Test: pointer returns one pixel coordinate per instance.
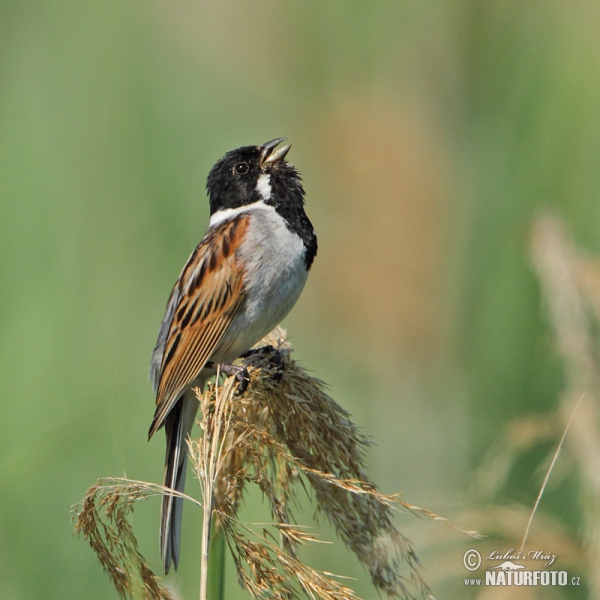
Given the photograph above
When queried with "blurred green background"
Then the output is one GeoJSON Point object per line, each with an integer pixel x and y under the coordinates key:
{"type": "Point", "coordinates": [429, 134]}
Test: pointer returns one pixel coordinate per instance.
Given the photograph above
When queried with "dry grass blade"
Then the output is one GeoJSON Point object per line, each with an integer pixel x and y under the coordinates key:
{"type": "Point", "coordinates": [548, 473]}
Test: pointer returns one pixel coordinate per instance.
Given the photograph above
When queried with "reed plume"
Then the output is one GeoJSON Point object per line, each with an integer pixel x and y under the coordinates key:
{"type": "Point", "coordinates": [286, 435]}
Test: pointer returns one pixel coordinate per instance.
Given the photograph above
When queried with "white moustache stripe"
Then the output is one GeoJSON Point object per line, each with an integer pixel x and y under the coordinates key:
{"type": "Point", "coordinates": [263, 186]}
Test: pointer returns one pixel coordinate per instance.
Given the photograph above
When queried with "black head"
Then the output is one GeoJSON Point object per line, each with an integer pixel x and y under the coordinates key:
{"type": "Point", "coordinates": [236, 179]}
{"type": "Point", "coordinates": [260, 173]}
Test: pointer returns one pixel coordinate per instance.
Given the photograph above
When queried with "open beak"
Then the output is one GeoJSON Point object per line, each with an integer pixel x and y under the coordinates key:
{"type": "Point", "coordinates": [268, 156]}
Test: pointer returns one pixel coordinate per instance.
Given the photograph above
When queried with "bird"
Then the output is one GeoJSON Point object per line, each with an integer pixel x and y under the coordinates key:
{"type": "Point", "coordinates": [242, 279]}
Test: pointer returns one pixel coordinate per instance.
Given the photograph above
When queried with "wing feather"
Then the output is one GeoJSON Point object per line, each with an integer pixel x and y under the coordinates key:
{"type": "Point", "coordinates": [202, 305]}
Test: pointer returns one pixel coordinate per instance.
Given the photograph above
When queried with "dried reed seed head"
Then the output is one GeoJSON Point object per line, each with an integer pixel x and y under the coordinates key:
{"type": "Point", "coordinates": [284, 434]}
{"type": "Point", "coordinates": [102, 519]}
{"type": "Point", "coordinates": [283, 431]}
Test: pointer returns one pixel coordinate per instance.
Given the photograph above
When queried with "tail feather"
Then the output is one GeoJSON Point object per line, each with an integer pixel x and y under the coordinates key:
{"type": "Point", "coordinates": [178, 425]}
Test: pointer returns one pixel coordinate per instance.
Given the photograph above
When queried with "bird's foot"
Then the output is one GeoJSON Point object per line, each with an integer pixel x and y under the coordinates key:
{"type": "Point", "coordinates": [275, 358]}
{"type": "Point", "coordinates": [241, 374]}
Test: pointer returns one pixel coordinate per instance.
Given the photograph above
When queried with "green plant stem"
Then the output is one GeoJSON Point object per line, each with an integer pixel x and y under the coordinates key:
{"type": "Point", "coordinates": [216, 564]}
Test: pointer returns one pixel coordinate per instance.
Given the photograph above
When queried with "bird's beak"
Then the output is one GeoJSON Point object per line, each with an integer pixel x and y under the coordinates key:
{"type": "Point", "coordinates": [268, 156]}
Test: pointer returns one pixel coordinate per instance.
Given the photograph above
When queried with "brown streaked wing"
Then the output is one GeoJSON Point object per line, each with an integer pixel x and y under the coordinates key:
{"type": "Point", "coordinates": [212, 292]}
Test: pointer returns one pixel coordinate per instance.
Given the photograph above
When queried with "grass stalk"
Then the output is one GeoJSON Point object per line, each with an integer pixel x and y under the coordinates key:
{"type": "Point", "coordinates": [216, 564]}
{"type": "Point", "coordinates": [211, 445]}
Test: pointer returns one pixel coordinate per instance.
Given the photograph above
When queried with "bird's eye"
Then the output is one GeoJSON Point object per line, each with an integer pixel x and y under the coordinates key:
{"type": "Point", "coordinates": [241, 168]}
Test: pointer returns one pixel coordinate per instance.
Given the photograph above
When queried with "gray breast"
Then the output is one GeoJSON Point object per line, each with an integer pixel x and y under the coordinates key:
{"type": "Point", "coordinates": [275, 276]}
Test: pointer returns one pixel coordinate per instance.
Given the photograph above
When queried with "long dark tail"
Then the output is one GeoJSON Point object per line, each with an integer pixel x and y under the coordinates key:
{"type": "Point", "coordinates": [178, 425]}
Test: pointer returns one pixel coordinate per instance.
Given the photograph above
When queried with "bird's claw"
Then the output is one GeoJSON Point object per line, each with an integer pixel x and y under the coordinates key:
{"type": "Point", "coordinates": [276, 359]}
{"type": "Point", "coordinates": [241, 374]}
{"type": "Point", "coordinates": [243, 379]}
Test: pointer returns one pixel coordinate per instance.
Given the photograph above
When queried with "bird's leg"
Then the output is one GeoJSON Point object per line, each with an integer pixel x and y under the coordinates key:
{"type": "Point", "coordinates": [241, 374]}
